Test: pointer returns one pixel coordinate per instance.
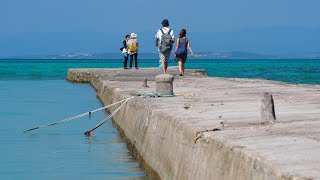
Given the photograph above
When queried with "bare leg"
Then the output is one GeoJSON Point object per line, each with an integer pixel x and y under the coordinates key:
{"type": "Point", "coordinates": [180, 67]}
{"type": "Point", "coordinates": [164, 67]}
{"type": "Point", "coordinates": [166, 63]}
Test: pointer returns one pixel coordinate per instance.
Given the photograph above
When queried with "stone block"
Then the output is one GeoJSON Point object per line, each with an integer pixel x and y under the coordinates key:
{"type": "Point", "coordinates": [164, 84]}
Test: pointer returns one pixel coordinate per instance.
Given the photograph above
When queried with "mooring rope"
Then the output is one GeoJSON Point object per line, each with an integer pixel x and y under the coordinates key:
{"type": "Point", "coordinates": [154, 95]}
{"type": "Point", "coordinates": [157, 95]}
{"type": "Point", "coordinates": [76, 116]}
{"type": "Point", "coordinates": [108, 117]}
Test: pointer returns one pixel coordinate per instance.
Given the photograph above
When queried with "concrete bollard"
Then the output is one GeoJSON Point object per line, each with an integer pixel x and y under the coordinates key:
{"type": "Point", "coordinates": [145, 83]}
{"type": "Point", "coordinates": [267, 109]}
{"type": "Point", "coordinates": [164, 84]}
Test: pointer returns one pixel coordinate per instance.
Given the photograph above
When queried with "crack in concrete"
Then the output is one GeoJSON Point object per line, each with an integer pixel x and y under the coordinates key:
{"type": "Point", "coordinates": [200, 133]}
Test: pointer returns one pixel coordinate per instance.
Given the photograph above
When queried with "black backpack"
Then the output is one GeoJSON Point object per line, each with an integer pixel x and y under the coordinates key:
{"type": "Point", "coordinates": [166, 42]}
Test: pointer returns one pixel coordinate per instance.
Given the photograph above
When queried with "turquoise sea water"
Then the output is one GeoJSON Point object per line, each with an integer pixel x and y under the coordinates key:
{"type": "Point", "coordinates": [60, 151]}
{"type": "Point", "coordinates": [35, 92]}
{"type": "Point", "coordinates": [294, 71]}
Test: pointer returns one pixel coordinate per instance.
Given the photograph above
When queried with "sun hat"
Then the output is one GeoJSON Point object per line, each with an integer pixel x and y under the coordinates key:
{"type": "Point", "coordinates": [165, 23]}
{"type": "Point", "coordinates": [133, 35]}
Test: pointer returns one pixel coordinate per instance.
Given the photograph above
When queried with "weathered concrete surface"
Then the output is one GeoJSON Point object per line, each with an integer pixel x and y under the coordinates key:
{"type": "Point", "coordinates": [211, 129]}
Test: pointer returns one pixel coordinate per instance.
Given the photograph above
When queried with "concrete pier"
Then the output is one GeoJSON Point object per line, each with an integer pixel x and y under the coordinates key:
{"type": "Point", "coordinates": [211, 129]}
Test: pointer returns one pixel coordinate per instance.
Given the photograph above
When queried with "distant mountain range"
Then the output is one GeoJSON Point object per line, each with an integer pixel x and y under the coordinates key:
{"type": "Point", "coordinates": [202, 55]}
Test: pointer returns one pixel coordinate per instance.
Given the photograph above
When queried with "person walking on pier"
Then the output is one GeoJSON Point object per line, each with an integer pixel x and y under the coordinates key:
{"type": "Point", "coordinates": [181, 52]}
{"type": "Point", "coordinates": [164, 42]}
{"type": "Point", "coordinates": [133, 46]}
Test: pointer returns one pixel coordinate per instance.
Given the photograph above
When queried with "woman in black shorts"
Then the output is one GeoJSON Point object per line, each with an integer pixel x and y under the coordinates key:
{"type": "Point", "coordinates": [181, 52]}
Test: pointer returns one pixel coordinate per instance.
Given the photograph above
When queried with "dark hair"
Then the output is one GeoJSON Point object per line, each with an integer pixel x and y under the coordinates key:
{"type": "Point", "coordinates": [165, 23]}
{"type": "Point", "coordinates": [127, 36]}
{"type": "Point", "coordinates": [182, 33]}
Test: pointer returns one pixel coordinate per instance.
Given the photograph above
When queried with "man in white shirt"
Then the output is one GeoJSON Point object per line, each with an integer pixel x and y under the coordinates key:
{"type": "Point", "coordinates": [164, 56]}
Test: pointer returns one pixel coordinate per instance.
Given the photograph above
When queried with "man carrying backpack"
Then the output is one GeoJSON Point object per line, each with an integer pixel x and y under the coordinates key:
{"type": "Point", "coordinates": [164, 41]}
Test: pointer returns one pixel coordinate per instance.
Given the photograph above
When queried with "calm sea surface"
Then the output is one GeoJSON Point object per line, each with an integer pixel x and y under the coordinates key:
{"type": "Point", "coordinates": [34, 92]}
{"type": "Point", "coordinates": [294, 71]}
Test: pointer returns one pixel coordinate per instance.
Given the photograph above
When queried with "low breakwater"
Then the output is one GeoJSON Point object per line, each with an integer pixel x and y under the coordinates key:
{"type": "Point", "coordinates": [211, 129]}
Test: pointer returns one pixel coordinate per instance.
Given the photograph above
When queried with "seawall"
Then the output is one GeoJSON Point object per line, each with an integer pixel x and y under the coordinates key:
{"type": "Point", "coordinates": [211, 129]}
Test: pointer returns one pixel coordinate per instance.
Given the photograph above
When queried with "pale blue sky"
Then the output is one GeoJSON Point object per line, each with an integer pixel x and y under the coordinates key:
{"type": "Point", "coordinates": [29, 27]}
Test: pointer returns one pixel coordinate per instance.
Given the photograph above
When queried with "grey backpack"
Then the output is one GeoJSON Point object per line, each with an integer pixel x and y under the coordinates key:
{"type": "Point", "coordinates": [166, 42]}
